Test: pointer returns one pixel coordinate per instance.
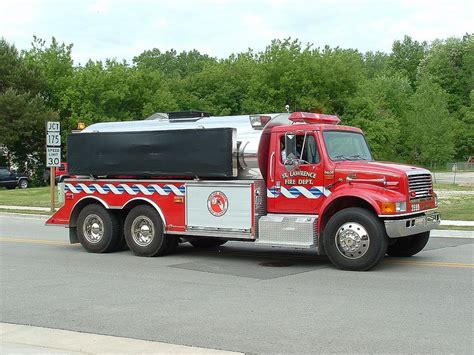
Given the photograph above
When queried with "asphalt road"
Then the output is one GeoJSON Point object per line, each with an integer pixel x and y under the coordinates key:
{"type": "Point", "coordinates": [228, 299]}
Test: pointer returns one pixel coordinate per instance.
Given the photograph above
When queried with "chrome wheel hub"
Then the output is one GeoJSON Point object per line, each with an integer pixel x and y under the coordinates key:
{"type": "Point", "coordinates": [93, 228]}
{"type": "Point", "coordinates": [352, 240]}
{"type": "Point", "coordinates": [143, 231]}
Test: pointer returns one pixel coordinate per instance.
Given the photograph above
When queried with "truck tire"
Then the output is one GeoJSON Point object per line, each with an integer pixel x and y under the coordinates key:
{"type": "Point", "coordinates": [23, 184]}
{"type": "Point", "coordinates": [98, 230]}
{"type": "Point", "coordinates": [355, 239]}
{"type": "Point", "coordinates": [409, 246]}
{"type": "Point", "coordinates": [144, 232]}
{"type": "Point", "coordinates": [203, 242]}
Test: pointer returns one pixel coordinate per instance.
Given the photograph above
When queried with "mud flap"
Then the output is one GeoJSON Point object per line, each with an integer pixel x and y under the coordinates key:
{"type": "Point", "coordinates": [73, 235]}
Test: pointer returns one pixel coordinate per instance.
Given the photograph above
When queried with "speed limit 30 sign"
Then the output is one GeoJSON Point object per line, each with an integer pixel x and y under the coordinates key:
{"type": "Point", "coordinates": [53, 144]}
{"type": "Point", "coordinates": [53, 156]}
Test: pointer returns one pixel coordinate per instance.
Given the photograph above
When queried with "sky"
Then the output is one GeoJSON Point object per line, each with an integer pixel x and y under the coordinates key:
{"type": "Point", "coordinates": [122, 29]}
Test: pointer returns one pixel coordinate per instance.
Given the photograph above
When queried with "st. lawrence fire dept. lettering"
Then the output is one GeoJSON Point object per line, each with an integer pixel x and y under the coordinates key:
{"type": "Point", "coordinates": [288, 177]}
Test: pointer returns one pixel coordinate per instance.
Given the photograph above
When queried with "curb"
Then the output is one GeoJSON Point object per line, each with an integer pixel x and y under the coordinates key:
{"type": "Point", "coordinates": [18, 339]}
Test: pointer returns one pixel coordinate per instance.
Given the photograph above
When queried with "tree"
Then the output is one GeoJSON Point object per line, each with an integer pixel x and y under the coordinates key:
{"type": "Point", "coordinates": [15, 73]}
{"type": "Point", "coordinates": [172, 64]}
{"type": "Point", "coordinates": [406, 57]}
{"type": "Point", "coordinates": [23, 120]}
{"type": "Point", "coordinates": [429, 125]}
{"type": "Point", "coordinates": [23, 111]}
{"type": "Point", "coordinates": [54, 66]}
{"type": "Point", "coordinates": [378, 107]}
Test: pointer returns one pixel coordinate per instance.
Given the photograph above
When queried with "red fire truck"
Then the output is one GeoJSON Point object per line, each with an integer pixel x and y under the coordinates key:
{"type": "Point", "coordinates": [293, 180]}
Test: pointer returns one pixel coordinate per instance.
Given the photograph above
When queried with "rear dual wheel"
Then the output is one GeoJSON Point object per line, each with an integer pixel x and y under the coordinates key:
{"type": "Point", "coordinates": [144, 233]}
{"type": "Point", "coordinates": [98, 230]}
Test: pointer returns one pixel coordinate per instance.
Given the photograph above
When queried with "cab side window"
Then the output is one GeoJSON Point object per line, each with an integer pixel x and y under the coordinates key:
{"type": "Point", "coordinates": [309, 153]}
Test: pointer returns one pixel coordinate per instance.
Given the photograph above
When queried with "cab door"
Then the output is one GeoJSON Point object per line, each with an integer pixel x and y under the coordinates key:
{"type": "Point", "coordinates": [297, 188]}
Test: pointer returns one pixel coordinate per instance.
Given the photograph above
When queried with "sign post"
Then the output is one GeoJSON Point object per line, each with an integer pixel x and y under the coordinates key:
{"type": "Point", "coordinates": [53, 153]}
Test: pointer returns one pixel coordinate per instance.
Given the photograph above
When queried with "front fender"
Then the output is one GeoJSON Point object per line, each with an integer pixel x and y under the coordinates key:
{"type": "Point", "coordinates": [375, 196]}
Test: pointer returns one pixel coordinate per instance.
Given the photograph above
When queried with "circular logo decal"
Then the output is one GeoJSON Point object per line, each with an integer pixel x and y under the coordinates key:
{"type": "Point", "coordinates": [217, 203]}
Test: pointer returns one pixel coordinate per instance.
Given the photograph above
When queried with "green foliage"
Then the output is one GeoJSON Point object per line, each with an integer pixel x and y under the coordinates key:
{"type": "Point", "coordinates": [406, 57]}
{"type": "Point", "coordinates": [429, 127]}
{"type": "Point", "coordinates": [23, 119]}
{"type": "Point", "coordinates": [378, 107]}
{"type": "Point", "coordinates": [23, 111]}
{"type": "Point", "coordinates": [173, 64]}
{"type": "Point", "coordinates": [15, 73]}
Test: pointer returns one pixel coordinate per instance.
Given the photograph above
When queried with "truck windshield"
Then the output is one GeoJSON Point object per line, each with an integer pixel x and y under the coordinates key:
{"type": "Point", "coordinates": [344, 145]}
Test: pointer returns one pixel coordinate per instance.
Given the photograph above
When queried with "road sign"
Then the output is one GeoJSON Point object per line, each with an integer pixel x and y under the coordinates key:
{"type": "Point", "coordinates": [53, 139]}
{"type": "Point", "coordinates": [53, 126]}
{"type": "Point", "coordinates": [53, 157]}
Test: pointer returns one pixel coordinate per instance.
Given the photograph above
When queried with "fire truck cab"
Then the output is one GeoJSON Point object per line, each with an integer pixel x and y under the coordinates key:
{"type": "Point", "coordinates": [298, 180]}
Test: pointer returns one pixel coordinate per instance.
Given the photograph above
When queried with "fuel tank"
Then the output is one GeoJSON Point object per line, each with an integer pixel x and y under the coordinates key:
{"type": "Point", "coordinates": [246, 144]}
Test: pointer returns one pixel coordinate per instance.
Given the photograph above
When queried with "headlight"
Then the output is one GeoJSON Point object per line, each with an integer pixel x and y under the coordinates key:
{"type": "Point", "coordinates": [401, 206]}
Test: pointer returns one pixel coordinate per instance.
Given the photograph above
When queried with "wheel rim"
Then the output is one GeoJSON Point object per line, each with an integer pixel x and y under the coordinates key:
{"type": "Point", "coordinates": [352, 240]}
{"type": "Point", "coordinates": [93, 228]}
{"type": "Point", "coordinates": [23, 184]}
{"type": "Point", "coordinates": [143, 231]}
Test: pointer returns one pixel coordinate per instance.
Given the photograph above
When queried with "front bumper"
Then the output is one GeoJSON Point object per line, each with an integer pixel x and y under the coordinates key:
{"type": "Point", "coordinates": [412, 225]}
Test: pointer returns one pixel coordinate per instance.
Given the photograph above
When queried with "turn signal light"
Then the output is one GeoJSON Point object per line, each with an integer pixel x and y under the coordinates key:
{"type": "Point", "coordinates": [388, 207]}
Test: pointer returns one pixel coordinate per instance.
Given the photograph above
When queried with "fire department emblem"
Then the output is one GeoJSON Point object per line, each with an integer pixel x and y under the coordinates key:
{"type": "Point", "coordinates": [217, 203]}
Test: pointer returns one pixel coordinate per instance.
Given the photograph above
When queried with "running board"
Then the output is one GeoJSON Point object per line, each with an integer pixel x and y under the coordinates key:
{"type": "Point", "coordinates": [292, 231]}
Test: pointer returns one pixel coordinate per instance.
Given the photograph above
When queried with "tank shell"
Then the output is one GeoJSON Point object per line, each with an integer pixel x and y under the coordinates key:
{"type": "Point", "coordinates": [247, 138]}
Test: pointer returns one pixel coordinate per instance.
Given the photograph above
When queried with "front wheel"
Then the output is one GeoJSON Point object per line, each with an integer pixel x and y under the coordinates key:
{"type": "Point", "coordinates": [409, 246]}
{"type": "Point", "coordinates": [23, 184]}
{"type": "Point", "coordinates": [355, 239]}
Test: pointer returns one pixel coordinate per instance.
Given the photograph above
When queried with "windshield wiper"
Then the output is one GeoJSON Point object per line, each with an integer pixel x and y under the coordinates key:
{"type": "Point", "coordinates": [340, 157]}
{"type": "Point", "coordinates": [350, 157]}
{"type": "Point", "coordinates": [356, 157]}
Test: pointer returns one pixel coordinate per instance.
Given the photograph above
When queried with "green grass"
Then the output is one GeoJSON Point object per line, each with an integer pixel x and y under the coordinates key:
{"type": "Point", "coordinates": [32, 197]}
{"type": "Point", "coordinates": [458, 208]}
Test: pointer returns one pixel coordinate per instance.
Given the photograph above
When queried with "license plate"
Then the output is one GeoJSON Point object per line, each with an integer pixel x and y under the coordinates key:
{"type": "Point", "coordinates": [420, 221]}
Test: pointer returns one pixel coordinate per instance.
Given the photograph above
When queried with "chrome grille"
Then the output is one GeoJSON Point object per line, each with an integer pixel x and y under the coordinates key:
{"type": "Point", "coordinates": [421, 184]}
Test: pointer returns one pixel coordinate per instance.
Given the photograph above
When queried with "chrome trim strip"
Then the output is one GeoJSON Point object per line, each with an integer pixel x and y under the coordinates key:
{"type": "Point", "coordinates": [406, 214]}
{"type": "Point", "coordinates": [418, 171]}
{"type": "Point", "coordinates": [272, 162]}
{"type": "Point", "coordinates": [105, 204]}
{"type": "Point", "coordinates": [157, 208]}
{"type": "Point", "coordinates": [217, 234]}
{"type": "Point", "coordinates": [381, 181]}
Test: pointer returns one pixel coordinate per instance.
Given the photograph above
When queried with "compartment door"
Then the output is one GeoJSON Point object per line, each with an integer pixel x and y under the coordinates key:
{"type": "Point", "coordinates": [213, 207]}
